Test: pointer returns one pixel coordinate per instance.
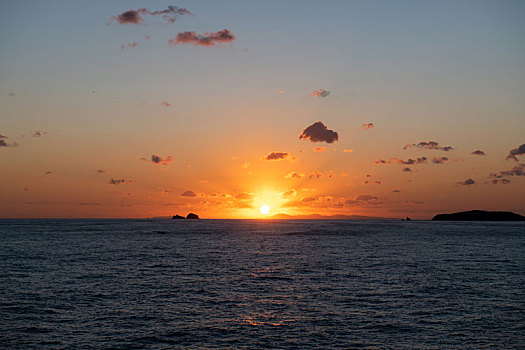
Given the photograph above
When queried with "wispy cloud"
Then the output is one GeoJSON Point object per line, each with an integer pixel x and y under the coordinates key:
{"type": "Point", "coordinates": [429, 145]}
{"type": "Point", "coordinates": [478, 153]}
{"type": "Point", "coordinates": [206, 39]}
{"type": "Point", "coordinates": [39, 133]}
{"type": "Point", "coordinates": [518, 170]}
{"type": "Point", "coordinates": [3, 142]}
{"type": "Point", "coordinates": [119, 181]}
{"type": "Point", "coordinates": [277, 156]}
{"type": "Point", "coordinates": [320, 93]}
{"type": "Point", "coordinates": [410, 161]}
{"type": "Point", "coordinates": [367, 126]}
{"type": "Point", "coordinates": [440, 160]}
{"type": "Point", "coordinates": [170, 15]}
{"type": "Point", "coordinates": [318, 132]}
{"type": "Point", "coordinates": [513, 153]}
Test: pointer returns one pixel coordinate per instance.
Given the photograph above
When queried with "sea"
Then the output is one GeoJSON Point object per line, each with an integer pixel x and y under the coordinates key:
{"type": "Point", "coordinates": [261, 284]}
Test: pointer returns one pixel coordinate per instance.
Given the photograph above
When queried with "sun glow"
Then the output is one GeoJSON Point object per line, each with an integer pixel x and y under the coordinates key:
{"type": "Point", "coordinates": [265, 209]}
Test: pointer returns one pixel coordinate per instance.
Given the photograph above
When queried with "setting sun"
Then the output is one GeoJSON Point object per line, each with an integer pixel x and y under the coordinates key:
{"type": "Point", "coordinates": [265, 209]}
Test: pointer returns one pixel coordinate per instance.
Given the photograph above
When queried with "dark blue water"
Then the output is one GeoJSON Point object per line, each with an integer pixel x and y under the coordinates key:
{"type": "Point", "coordinates": [261, 284]}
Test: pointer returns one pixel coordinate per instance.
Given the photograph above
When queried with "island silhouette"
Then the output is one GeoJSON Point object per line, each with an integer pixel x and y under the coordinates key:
{"type": "Point", "coordinates": [480, 215]}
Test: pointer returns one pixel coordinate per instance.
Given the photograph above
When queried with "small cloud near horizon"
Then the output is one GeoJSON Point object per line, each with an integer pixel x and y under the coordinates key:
{"type": "Point", "coordinates": [319, 132]}
{"type": "Point", "coordinates": [277, 156]}
{"type": "Point", "coordinates": [188, 194]}
{"type": "Point", "coordinates": [478, 153]}
{"type": "Point", "coordinates": [467, 182]}
{"type": "Point", "coordinates": [158, 159]}
{"type": "Point", "coordinates": [367, 126]}
{"type": "Point", "coordinates": [113, 181]}
{"type": "Point", "coordinates": [3, 143]}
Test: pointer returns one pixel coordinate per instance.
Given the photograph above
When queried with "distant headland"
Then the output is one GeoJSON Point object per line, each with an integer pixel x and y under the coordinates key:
{"type": "Point", "coordinates": [480, 215]}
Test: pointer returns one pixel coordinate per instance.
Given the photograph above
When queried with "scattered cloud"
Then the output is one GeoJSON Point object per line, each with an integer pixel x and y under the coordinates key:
{"type": "Point", "coordinates": [440, 160]}
{"type": "Point", "coordinates": [319, 149]}
{"type": "Point", "coordinates": [3, 142]}
{"type": "Point", "coordinates": [478, 153]}
{"type": "Point", "coordinates": [406, 170]}
{"type": "Point", "coordinates": [119, 181]}
{"type": "Point", "coordinates": [188, 194]}
{"type": "Point", "coordinates": [165, 104]}
{"type": "Point", "coordinates": [320, 93]}
{"type": "Point", "coordinates": [318, 132]}
{"type": "Point", "coordinates": [500, 181]}
{"type": "Point", "coordinates": [315, 175]}
{"type": "Point", "coordinates": [135, 16]}
{"type": "Point", "coordinates": [410, 161]}
{"type": "Point", "coordinates": [516, 152]}
{"type": "Point", "coordinates": [429, 145]}
{"type": "Point", "coordinates": [367, 126]}
{"type": "Point", "coordinates": [129, 45]}
{"type": "Point", "coordinates": [518, 170]}
{"type": "Point", "coordinates": [294, 175]}
{"type": "Point", "coordinates": [206, 39]}
{"type": "Point", "coordinates": [467, 182]}
{"type": "Point", "coordinates": [39, 133]}
{"type": "Point", "coordinates": [158, 160]}
{"type": "Point", "coordinates": [277, 156]}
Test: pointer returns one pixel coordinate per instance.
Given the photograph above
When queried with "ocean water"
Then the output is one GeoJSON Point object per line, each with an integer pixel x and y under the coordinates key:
{"type": "Point", "coordinates": [248, 284]}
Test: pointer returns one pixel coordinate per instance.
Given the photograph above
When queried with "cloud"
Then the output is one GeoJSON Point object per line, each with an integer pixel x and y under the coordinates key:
{"type": "Point", "coordinates": [39, 133]}
{"type": "Point", "coordinates": [518, 170]}
{"type": "Point", "coordinates": [244, 196]}
{"type": "Point", "coordinates": [396, 191]}
{"type": "Point", "coordinates": [500, 181]}
{"type": "Point", "coordinates": [3, 143]}
{"type": "Point", "coordinates": [129, 45]}
{"type": "Point", "coordinates": [289, 194]}
{"type": "Point", "coordinates": [440, 160]}
{"type": "Point", "coordinates": [516, 152]}
{"type": "Point", "coordinates": [119, 181]}
{"type": "Point", "coordinates": [318, 132]}
{"type": "Point", "coordinates": [315, 175]}
{"type": "Point", "coordinates": [165, 104]}
{"type": "Point", "coordinates": [48, 172]}
{"type": "Point", "coordinates": [135, 16]}
{"type": "Point", "coordinates": [410, 161]}
{"type": "Point", "coordinates": [367, 126]}
{"type": "Point", "coordinates": [188, 194]}
{"type": "Point", "coordinates": [158, 160]}
{"type": "Point", "coordinates": [294, 175]}
{"type": "Point", "coordinates": [366, 198]}
{"type": "Point", "coordinates": [406, 170]}
{"type": "Point", "coordinates": [348, 150]}
{"type": "Point", "coordinates": [206, 39]}
{"type": "Point", "coordinates": [467, 182]}
{"type": "Point", "coordinates": [478, 153]}
{"type": "Point", "coordinates": [276, 156]}
{"type": "Point", "coordinates": [100, 171]}
{"type": "Point", "coordinates": [308, 199]}
{"type": "Point", "coordinates": [319, 149]}
{"type": "Point", "coordinates": [320, 93]}
{"type": "Point", "coordinates": [429, 145]}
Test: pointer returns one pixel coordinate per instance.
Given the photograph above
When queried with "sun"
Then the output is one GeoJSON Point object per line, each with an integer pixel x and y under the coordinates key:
{"type": "Point", "coordinates": [265, 210]}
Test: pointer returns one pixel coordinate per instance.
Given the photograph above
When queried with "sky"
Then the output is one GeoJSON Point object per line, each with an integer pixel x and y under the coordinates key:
{"type": "Point", "coordinates": [129, 109]}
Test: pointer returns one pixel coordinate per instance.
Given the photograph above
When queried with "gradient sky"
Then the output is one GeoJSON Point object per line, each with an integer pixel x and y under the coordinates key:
{"type": "Point", "coordinates": [85, 102]}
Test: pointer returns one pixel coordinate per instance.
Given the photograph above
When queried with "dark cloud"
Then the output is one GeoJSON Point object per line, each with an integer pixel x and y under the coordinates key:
{"type": "Point", "coordinates": [318, 132]}
{"type": "Point", "coordinates": [48, 173]}
{"type": "Point", "coordinates": [396, 191]}
{"type": "Point", "coordinates": [368, 126]}
{"type": "Point", "coordinates": [439, 160]}
{"type": "Point", "coordinates": [3, 142]}
{"type": "Point", "coordinates": [206, 39]}
{"type": "Point", "coordinates": [188, 194]}
{"type": "Point", "coordinates": [366, 198]}
{"type": "Point", "coordinates": [500, 181]}
{"type": "Point", "coordinates": [478, 153]}
{"type": "Point", "coordinates": [39, 133]}
{"type": "Point", "coordinates": [516, 152]}
{"type": "Point", "coordinates": [429, 145]}
{"type": "Point", "coordinates": [135, 16]}
{"type": "Point", "coordinates": [406, 170]}
{"type": "Point", "coordinates": [158, 160]}
{"type": "Point", "coordinates": [100, 171]}
{"type": "Point", "coordinates": [119, 181]}
{"type": "Point", "coordinates": [518, 170]}
{"type": "Point", "coordinates": [277, 156]}
{"type": "Point", "coordinates": [410, 161]}
{"type": "Point", "coordinates": [129, 45]}
{"type": "Point", "coordinates": [320, 93]}
{"type": "Point", "coordinates": [467, 182]}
